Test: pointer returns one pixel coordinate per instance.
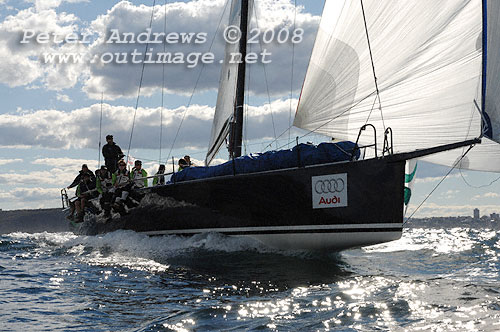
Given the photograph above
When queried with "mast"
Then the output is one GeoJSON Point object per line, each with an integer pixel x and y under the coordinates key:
{"type": "Point", "coordinates": [235, 138]}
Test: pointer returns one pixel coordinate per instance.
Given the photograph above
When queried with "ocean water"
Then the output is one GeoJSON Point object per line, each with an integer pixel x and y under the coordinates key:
{"type": "Point", "coordinates": [430, 280]}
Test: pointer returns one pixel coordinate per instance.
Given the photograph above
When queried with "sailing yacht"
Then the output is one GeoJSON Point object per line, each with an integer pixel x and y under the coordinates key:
{"type": "Point", "coordinates": [404, 80]}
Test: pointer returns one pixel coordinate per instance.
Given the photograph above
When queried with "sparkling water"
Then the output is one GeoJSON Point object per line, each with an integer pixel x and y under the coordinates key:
{"type": "Point", "coordinates": [430, 280]}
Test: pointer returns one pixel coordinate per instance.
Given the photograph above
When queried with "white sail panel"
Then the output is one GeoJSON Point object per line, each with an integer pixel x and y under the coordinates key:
{"type": "Point", "coordinates": [224, 110]}
{"type": "Point", "coordinates": [492, 100]}
{"type": "Point", "coordinates": [483, 157]}
{"type": "Point", "coordinates": [427, 56]}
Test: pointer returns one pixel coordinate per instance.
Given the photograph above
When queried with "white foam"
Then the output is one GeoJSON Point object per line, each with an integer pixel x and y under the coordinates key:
{"type": "Point", "coordinates": [44, 237]}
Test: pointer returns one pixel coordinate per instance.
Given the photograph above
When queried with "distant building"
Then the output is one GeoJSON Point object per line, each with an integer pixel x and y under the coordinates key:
{"type": "Point", "coordinates": [476, 214]}
{"type": "Point", "coordinates": [494, 216]}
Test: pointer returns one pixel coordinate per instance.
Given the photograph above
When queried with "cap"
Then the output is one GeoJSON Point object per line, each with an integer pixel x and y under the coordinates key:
{"type": "Point", "coordinates": [85, 166]}
{"type": "Point", "coordinates": [138, 162]}
{"type": "Point", "coordinates": [104, 167]}
{"type": "Point", "coordinates": [162, 166]}
{"type": "Point", "coordinates": [109, 137]}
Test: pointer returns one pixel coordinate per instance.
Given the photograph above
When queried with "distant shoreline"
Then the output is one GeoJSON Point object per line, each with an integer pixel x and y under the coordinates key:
{"type": "Point", "coordinates": [33, 221]}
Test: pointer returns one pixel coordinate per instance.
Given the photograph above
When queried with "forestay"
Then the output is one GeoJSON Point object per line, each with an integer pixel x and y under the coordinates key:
{"type": "Point", "coordinates": [224, 110]}
{"type": "Point", "coordinates": [428, 61]}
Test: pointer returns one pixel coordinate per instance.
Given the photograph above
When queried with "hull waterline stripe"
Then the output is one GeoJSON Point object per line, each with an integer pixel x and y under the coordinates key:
{"type": "Point", "coordinates": [352, 228]}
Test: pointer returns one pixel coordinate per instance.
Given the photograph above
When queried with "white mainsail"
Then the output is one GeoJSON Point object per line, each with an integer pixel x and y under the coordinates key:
{"type": "Point", "coordinates": [224, 110]}
{"type": "Point", "coordinates": [428, 61]}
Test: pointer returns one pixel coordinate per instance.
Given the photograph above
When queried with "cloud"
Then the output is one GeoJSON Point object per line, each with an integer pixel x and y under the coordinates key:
{"type": "Point", "coordinates": [31, 198]}
{"type": "Point", "coordinates": [80, 128]}
{"type": "Point", "coordinates": [21, 62]}
{"type": "Point", "coordinates": [25, 65]}
{"type": "Point", "coordinates": [449, 194]}
{"type": "Point", "coordinates": [58, 172]}
{"type": "Point", "coordinates": [9, 161]}
{"type": "Point", "coordinates": [62, 162]}
{"type": "Point", "coordinates": [64, 98]}
{"type": "Point", "coordinates": [431, 179]}
{"type": "Point", "coordinates": [486, 195]}
{"type": "Point", "coordinates": [199, 17]}
{"type": "Point", "coordinates": [52, 177]}
{"type": "Point", "coordinates": [49, 4]}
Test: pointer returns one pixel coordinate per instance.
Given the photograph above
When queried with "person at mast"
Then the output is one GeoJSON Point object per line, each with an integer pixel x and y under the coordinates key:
{"type": "Point", "coordinates": [112, 154]}
{"type": "Point", "coordinates": [159, 178]}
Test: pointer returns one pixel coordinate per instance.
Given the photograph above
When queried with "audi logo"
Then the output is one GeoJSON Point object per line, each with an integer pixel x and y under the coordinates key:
{"type": "Point", "coordinates": [329, 186]}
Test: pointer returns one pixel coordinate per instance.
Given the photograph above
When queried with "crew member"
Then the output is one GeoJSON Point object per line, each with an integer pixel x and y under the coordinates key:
{"type": "Point", "coordinates": [76, 182]}
{"type": "Point", "coordinates": [112, 154]}
{"type": "Point", "coordinates": [182, 164]}
{"type": "Point", "coordinates": [104, 187]}
{"type": "Point", "coordinates": [85, 191]}
{"type": "Point", "coordinates": [159, 178]}
{"type": "Point", "coordinates": [139, 175]}
{"type": "Point", "coordinates": [123, 189]}
{"type": "Point", "coordinates": [79, 177]}
{"type": "Point", "coordinates": [188, 161]}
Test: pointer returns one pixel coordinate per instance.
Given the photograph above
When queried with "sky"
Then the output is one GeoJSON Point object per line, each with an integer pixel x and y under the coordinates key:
{"type": "Point", "coordinates": [50, 114]}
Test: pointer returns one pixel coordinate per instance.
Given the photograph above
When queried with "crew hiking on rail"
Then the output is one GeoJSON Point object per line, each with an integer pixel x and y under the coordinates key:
{"type": "Point", "coordinates": [113, 185]}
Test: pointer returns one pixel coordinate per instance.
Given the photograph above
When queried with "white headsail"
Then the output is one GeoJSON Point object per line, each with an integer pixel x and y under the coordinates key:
{"type": "Point", "coordinates": [224, 110]}
{"type": "Point", "coordinates": [428, 63]}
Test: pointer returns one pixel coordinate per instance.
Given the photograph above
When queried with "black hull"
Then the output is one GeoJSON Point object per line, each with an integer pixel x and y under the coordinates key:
{"type": "Point", "coordinates": [276, 207]}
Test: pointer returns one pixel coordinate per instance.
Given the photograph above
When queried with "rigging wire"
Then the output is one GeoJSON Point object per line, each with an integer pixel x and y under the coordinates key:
{"type": "Point", "coordinates": [196, 84]}
{"type": "Point", "coordinates": [441, 181]}
{"type": "Point", "coordinates": [474, 109]}
{"type": "Point", "coordinates": [100, 135]}
{"type": "Point", "coordinates": [291, 77]}
{"type": "Point", "coordinates": [265, 75]}
{"type": "Point", "coordinates": [324, 124]}
{"type": "Point", "coordinates": [477, 187]}
{"type": "Point", "coordinates": [371, 110]}
{"type": "Point", "coordinates": [373, 65]}
{"type": "Point", "coordinates": [140, 83]}
{"type": "Point", "coordinates": [163, 81]}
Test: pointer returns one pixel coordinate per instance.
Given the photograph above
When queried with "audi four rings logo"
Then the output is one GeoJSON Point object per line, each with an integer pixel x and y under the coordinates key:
{"type": "Point", "coordinates": [329, 186]}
